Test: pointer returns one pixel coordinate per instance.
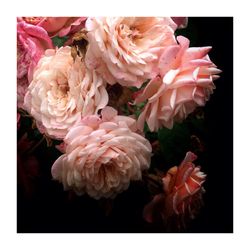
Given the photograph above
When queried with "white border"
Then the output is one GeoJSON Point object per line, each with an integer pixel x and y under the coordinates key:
{"type": "Point", "coordinates": [11, 9]}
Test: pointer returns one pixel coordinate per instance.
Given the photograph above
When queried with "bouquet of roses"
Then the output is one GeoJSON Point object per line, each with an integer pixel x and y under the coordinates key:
{"type": "Point", "coordinates": [104, 91]}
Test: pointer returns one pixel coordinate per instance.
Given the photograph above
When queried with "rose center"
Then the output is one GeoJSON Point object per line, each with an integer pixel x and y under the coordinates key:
{"type": "Point", "coordinates": [131, 32]}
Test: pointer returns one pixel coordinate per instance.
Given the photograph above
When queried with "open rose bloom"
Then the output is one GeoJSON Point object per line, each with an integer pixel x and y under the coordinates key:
{"type": "Point", "coordinates": [103, 154]}
{"type": "Point", "coordinates": [125, 49]}
{"type": "Point", "coordinates": [86, 88]}
{"type": "Point", "coordinates": [184, 83]}
{"type": "Point", "coordinates": [62, 92]}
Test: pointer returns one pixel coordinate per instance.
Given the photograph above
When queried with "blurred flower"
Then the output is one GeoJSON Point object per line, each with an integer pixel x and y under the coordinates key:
{"type": "Point", "coordinates": [125, 49]}
{"type": "Point", "coordinates": [180, 21]}
{"type": "Point", "coordinates": [182, 195]}
{"type": "Point", "coordinates": [58, 26]}
{"type": "Point", "coordinates": [32, 41]}
{"type": "Point", "coordinates": [62, 92]}
{"type": "Point", "coordinates": [185, 82]}
{"type": "Point", "coordinates": [102, 155]}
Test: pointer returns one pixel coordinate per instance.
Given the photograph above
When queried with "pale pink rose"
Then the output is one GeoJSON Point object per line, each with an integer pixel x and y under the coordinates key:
{"type": "Point", "coordinates": [182, 197]}
{"type": "Point", "coordinates": [103, 154]}
{"type": "Point", "coordinates": [62, 92]}
{"type": "Point", "coordinates": [181, 22]}
{"type": "Point", "coordinates": [125, 49]}
{"type": "Point", "coordinates": [185, 82]}
{"type": "Point", "coordinates": [58, 26]}
{"type": "Point", "coordinates": [32, 41]}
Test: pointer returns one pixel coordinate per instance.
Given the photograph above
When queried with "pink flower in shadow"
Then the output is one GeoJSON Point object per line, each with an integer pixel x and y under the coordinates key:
{"type": "Point", "coordinates": [182, 197]}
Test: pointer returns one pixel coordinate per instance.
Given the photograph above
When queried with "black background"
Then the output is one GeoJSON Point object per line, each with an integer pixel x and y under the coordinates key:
{"type": "Point", "coordinates": [50, 209]}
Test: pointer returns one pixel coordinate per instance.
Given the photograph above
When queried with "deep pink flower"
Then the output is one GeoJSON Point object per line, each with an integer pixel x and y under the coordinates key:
{"type": "Point", "coordinates": [62, 26]}
{"type": "Point", "coordinates": [58, 26]}
{"type": "Point", "coordinates": [182, 195]}
{"type": "Point", "coordinates": [185, 82]}
{"type": "Point", "coordinates": [32, 41]}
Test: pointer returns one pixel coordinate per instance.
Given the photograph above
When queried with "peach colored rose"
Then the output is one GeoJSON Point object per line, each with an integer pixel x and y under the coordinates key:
{"type": "Point", "coordinates": [185, 82]}
{"type": "Point", "coordinates": [62, 92]}
{"type": "Point", "coordinates": [60, 26]}
{"type": "Point", "coordinates": [182, 195]}
{"type": "Point", "coordinates": [32, 41]}
{"type": "Point", "coordinates": [103, 154]}
{"type": "Point", "coordinates": [125, 49]}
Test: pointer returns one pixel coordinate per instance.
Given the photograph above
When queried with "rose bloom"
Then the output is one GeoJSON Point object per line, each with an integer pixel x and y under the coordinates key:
{"type": "Point", "coordinates": [62, 92]}
{"type": "Point", "coordinates": [58, 26]}
{"type": "Point", "coordinates": [103, 154]}
{"type": "Point", "coordinates": [185, 82]}
{"type": "Point", "coordinates": [125, 49]}
{"type": "Point", "coordinates": [182, 197]}
{"type": "Point", "coordinates": [32, 41]}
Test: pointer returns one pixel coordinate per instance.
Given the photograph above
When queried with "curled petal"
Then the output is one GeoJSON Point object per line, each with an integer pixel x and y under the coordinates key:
{"type": "Point", "coordinates": [184, 83]}
{"type": "Point", "coordinates": [103, 154]}
{"type": "Point", "coordinates": [125, 50]}
{"type": "Point", "coordinates": [62, 92]}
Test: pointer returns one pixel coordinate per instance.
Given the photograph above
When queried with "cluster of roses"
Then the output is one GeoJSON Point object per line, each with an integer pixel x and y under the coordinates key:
{"type": "Point", "coordinates": [67, 95]}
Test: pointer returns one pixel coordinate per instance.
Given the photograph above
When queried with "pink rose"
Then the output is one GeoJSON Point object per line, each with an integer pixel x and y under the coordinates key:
{"type": "Point", "coordinates": [102, 155]}
{"type": "Point", "coordinates": [125, 49]}
{"type": "Point", "coordinates": [63, 26]}
{"type": "Point", "coordinates": [32, 41]}
{"type": "Point", "coordinates": [182, 193]}
{"type": "Point", "coordinates": [58, 26]}
{"type": "Point", "coordinates": [62, 92]}
{"type": "Point", "coordinates": [185, 82]}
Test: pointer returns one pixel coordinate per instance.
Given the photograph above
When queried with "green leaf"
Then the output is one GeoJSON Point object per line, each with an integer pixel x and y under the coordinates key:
{"type": "Point", "coordinates": [174, 142]}
{"type": "Point", "coordinates": [59, 41]}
